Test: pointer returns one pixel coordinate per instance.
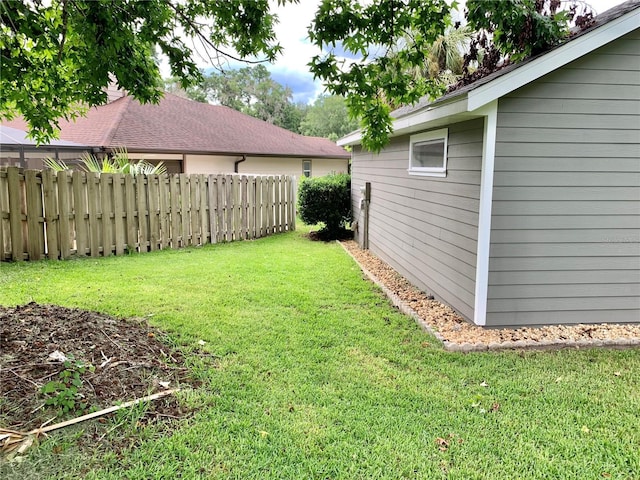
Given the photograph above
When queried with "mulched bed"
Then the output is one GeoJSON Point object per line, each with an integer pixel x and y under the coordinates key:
{"type": "Point", "coordinates": [457, 334]}
{"type": "Point", "coordinates": [123, 360]}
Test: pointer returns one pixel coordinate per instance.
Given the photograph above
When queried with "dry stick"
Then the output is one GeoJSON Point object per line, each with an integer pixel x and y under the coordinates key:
{"type": "Point", "coordinates": [100, 413]}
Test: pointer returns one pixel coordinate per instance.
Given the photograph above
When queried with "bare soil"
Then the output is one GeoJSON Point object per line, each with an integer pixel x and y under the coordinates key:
{"type": "Point", "coordinates": [455, 331]}
{"type": "Point", "coordinates": [122, 360]}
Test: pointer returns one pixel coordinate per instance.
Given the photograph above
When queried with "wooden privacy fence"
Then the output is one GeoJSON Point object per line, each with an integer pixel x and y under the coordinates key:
{"type": "Point", "coordinates": [58, 215]}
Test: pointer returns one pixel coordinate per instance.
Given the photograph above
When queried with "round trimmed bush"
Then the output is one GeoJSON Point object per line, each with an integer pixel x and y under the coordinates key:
{"type": "Point", "coordinates": [326, 200]}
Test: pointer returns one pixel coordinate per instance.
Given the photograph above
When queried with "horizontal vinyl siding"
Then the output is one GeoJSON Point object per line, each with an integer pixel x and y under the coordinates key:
{"type": "Point", "coordinates": [565, 239]}
{"type": "Point", "coordinates": [426, 227]}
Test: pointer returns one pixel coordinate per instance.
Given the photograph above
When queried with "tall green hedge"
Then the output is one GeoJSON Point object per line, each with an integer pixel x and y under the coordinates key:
{"type": "Point", "coordinates": [326, 200]}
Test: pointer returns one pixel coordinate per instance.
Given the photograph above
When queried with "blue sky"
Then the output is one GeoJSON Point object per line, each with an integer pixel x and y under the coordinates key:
{"type": "Point", "coordinates": [291, 69]}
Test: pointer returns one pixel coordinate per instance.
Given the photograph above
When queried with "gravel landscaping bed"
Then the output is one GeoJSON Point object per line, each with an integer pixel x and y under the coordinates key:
{"type": "Point", "coordinates": [457, 334]}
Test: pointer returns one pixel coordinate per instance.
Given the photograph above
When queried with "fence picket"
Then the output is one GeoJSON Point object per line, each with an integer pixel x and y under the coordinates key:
{"type": "Point", "coordinates": [51, 215]}
{"type": "Point", "coordinates": [66, 227]}
{"type": "Point", "coordinates": [131, 216]}
{"type": "Point", "coordinates": [118, 213]}
{"type": "Point", "coordinates": [106, 192]}
{"type": "Point", "coordinates": [175, 211]}
{"type": "Point", "coordinates": [163, 189]}
{"type": "Point", "coordinates": [213, 209]}
{"type": "Point", "coordinates": [184, 210]}
{"type": "Point", "coordinates": [35, 229]}
{"type": "Point", "coordinates": [5, 249]}
{"type": "Point", "coordinates": [80, 212]}
{"type": "Point", "coordinates": [154, 224]}
{"type": "Point", "coordinates": [229, 206]}
{"type": "Point", "coordinates": [143, 217]}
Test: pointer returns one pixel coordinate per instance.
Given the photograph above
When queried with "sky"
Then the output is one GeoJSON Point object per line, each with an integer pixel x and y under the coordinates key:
{"type": "Point", "coordinates": [291, 69]}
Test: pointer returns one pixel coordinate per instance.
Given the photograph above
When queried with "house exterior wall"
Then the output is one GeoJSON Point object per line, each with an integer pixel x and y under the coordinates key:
{"type": "Point", "coordinates": [293, 166]}
{"type": "Point", "coordinates": [565, 238]}
{"type": "Point", "coordinates": [208, 164]}
{"type": "Point", "coordinates": [425, 227]}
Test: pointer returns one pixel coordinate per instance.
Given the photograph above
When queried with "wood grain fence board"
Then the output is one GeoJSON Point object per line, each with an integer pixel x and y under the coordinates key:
{"type": "Point", "coordinates": [163, 188]}
{"type": "Point", "coordinates": [220, 199]}
{"type": "Point", "coordinates": [213, 207]}
{"type": "Point", "coordinates": [80, 214]}
{"type": "Point", "coordinates": [193, 210]}
{"type": "Point", "coordinates": [66, 225]}
{"type": "Point", "coordinates": [251, 213]}
{"type": "Point", "coordinates": [154, 207]}
{"type": "Point", "coordinates": [271, 205]}
{"type": "Point", "coordinates": [283, 202]}
{"type": "Point", "coordinates": [203, 210]}
{"type": "Point", "coordinates": [228, 185]}
{"type": "Point", "coordinates": [5, 250]}
{"type": "Point", "coordinates": [93, 198]}
{"type": "Point", "coordinates": [263, 206]}
{"type": "Point", "coordinates": [292, 202]}
{"type": "Point", "coordinates": [106, 209]}
{"type": "Point", "coordinates": [35, 218]}
{"type": "Point", "coordinates": [184, 210]}
{"type": "Point", "coordinates": [174, 191]}
{"type": "Point", "coordinates": [143, 214]}
{"type": "Point", "coordinates": [15, 213]}
{"type": "Point", "coordinates": [278, 204]}
{"type": "Point", "coordinates": [237, 221]}
{"type": "Point", "coordinates": [131, 214]}
{"type": "Point", "coordinates": [119, 221]}
{"type": "Point", "coordinates": [244, 199]}
{"type": "Point", "coordinates": [51, 214]}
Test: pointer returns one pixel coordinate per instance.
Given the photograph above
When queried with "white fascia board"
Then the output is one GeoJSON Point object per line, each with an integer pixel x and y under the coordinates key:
{"type": "Point", "coordinates": [430, 117]}
{"type": "Point", "coordinates": [553, 60]}
{"type": "Point", "coordinates": [490, 112]}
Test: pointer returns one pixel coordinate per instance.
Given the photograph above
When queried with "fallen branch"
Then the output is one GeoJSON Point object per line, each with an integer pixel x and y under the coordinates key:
{"type": "Point", "coordinates": [9, 439]}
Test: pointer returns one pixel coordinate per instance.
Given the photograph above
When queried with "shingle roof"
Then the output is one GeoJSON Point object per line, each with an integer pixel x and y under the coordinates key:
{"type": "Point", "coordinates": [14, 136]}
{"type": "Point", "coordinates": [180, 125]}
{"type": "Point", "coordinates": [602, 19]}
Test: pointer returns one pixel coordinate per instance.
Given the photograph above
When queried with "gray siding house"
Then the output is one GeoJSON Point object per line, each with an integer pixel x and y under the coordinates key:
{"type": "Point", "coordinates": [516, 199]}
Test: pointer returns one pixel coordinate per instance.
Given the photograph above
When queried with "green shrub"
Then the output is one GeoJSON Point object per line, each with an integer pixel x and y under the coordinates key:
{"type": "Point", "coordinates": [326, 200]}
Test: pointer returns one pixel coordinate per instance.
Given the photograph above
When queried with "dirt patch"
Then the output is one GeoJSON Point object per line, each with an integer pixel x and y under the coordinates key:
{"type": "Point", "coordinates": [115, 360]}
{"type": "Point", "coordinates": [458, 334]}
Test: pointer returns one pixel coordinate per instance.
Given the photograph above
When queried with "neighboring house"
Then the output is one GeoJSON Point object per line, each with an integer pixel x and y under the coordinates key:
{"type": "Point", "coordinates": [18, 150]}
{"type": "Point", "coordinates": [516, 199]}
{"type": "Point", "coordinates": [193, 137]}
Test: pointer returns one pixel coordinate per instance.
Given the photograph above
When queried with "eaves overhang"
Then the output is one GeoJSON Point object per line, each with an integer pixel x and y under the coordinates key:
{"type": "Point", "coordinates": [468, 104]}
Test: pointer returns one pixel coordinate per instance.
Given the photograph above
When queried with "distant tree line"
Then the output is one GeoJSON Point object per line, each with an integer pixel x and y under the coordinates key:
{"type": "Point", "coordinates": [253, 91]}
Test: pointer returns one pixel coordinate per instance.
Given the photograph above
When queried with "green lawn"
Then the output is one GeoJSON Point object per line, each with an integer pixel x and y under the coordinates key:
{"type": "Point", "coordinates": [317, 376]}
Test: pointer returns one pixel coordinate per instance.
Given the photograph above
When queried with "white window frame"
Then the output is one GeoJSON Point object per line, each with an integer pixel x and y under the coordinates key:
{"type": "Point", "coordinates": [310, 168]}
{"type": "Point", "coordinates": [441, 134]}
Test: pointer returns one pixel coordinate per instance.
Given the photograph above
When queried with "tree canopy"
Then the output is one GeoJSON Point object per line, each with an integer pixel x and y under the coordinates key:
{"type": "Point", "coordinates": [57, 56]}
{"type": "Point", "coordinates": [250, 90]}
{"type": "Point", "coordinates": [328, 117]}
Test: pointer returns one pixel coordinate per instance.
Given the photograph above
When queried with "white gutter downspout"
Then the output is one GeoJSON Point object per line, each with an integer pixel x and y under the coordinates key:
{"type": "Point", "coordinates": [490, 111]}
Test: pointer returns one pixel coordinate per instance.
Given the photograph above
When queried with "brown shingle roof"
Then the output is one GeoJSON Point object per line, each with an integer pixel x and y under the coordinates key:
{"type": "Point", "coordinates": [180, 125]}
